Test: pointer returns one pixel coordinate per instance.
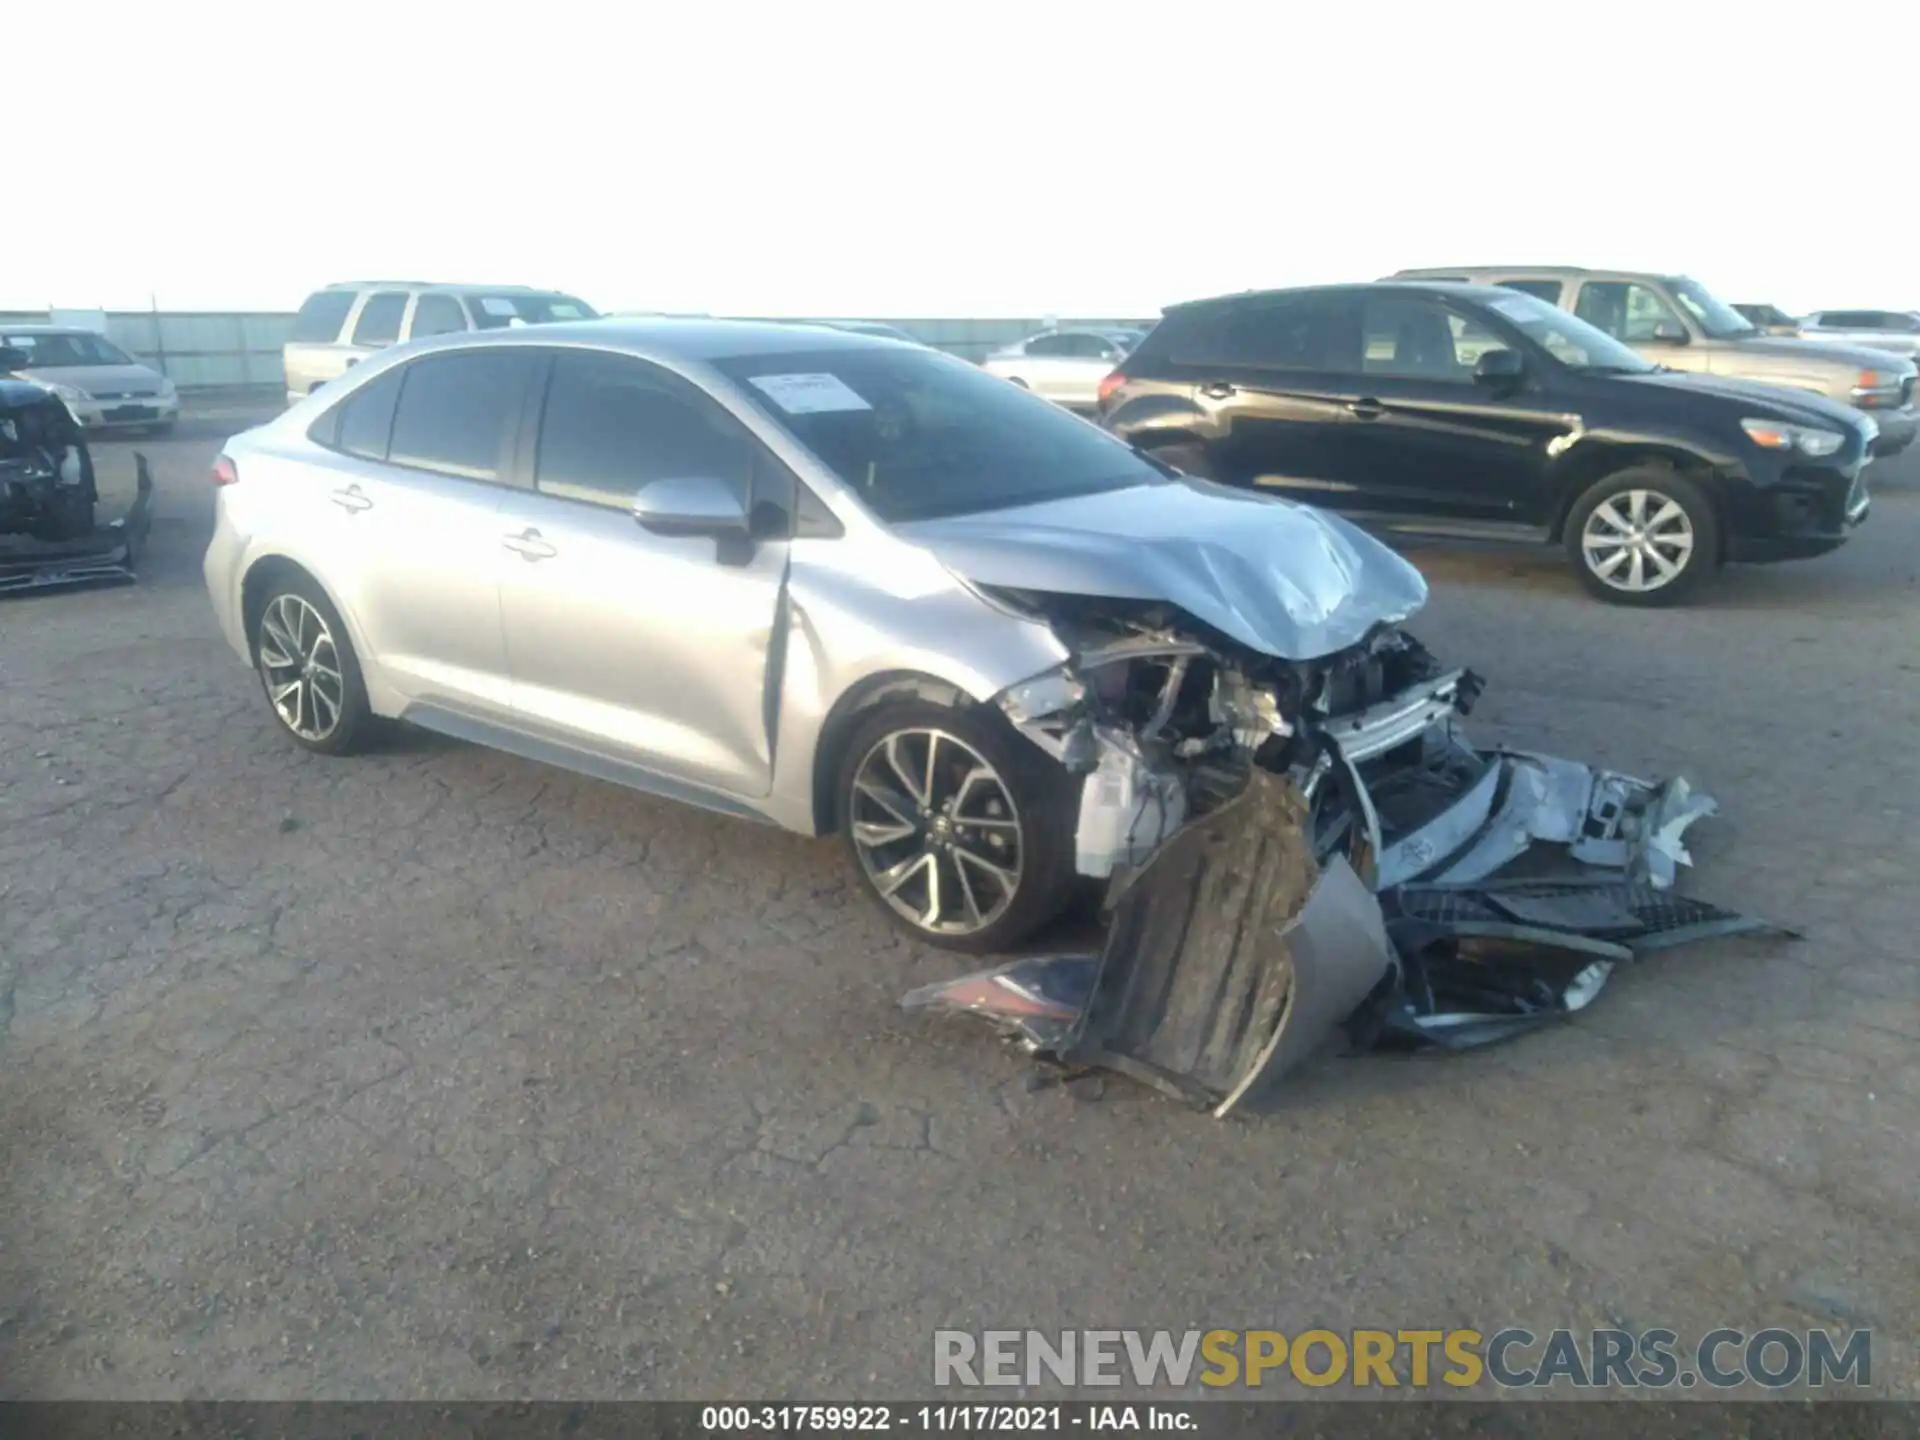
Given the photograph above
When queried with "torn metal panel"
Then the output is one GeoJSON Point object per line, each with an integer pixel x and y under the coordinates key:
{"type": "Point", "coordinates": [1230, 956]}
{"type": "Point", "coordinates": [1603, 819]}
{"type": "Point", "coordinates": [110, 553]}
{"type": "Point", "coordinates": [1033, 1002]}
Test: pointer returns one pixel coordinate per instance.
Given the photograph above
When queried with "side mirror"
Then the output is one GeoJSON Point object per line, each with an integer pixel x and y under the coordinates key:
{"type": "Point", "coordinates": [1497, 368]}
{"type": "Point", "coordinates": [694, 505]}
{"type": "Point", "coordinates": [13, 358]}
{"type": "Point", "coordinates": [1667, 332]}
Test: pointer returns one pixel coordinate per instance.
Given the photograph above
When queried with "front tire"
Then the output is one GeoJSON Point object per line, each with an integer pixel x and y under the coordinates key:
{"type": "Point", "coordinates": [960, 827]}
{"type": "Point", "coordinates": [1646, 535]}
{"type": "Point", "coordinates": [308, 668]}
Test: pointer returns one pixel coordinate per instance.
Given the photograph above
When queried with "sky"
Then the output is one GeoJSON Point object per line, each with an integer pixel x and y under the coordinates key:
{"type": "Point", "coordinates": [983, 158]}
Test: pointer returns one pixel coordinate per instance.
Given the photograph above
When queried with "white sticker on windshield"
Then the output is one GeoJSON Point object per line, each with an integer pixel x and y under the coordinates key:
{"type": "Point", "coordinates": [809, 394]}
{"type": "Point", "coordinates": [494, 305]}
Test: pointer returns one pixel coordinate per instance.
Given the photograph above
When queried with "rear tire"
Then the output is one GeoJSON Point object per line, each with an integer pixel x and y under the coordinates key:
{"type": "Point", "coordinates": [1646, 535]}
{"type": "Point", "coordinates": [308, 669]}
{"type": "Point", "coordinates": [939, 806]}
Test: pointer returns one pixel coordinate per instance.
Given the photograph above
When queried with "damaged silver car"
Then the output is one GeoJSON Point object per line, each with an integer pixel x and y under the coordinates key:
{"type": "Point", "coordinates": [846, 584]}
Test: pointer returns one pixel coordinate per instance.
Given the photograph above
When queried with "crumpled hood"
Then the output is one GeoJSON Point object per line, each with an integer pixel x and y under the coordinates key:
{"type": "Point", "coordinates": [1282, 578]}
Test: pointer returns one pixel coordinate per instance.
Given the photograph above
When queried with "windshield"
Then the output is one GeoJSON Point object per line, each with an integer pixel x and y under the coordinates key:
{"type": "Point", "coordinates": [1710, 313]}
{"type": "Point", "coordinates": [52, 352]}
{"type": "Point", "coordinates": [497, 312]}
{"type": "Point", "coordinates": [917, 434]}
{"type": "Point", "coordinates": [1571, 341]}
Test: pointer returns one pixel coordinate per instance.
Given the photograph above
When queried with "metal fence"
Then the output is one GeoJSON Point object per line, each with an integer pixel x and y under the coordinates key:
{"type": "Point", "coordinates": [221, 350]}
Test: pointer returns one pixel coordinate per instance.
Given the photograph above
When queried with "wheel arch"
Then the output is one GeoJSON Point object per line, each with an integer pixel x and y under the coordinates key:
{"type": "Point", "coordinates": [1584, 470]}
{"type": "Point", "coordinates": [253, 596]}
{"type": "Point", "coordinates": [860, 700]}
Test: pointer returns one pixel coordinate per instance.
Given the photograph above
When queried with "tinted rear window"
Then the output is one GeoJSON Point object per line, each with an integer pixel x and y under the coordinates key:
{"type": "Point", "coordinates": [320, 319]}
{"type": "Point", "coordinates": [456, 413]}
{"type": "Point", "coordinates": [1291, 332]}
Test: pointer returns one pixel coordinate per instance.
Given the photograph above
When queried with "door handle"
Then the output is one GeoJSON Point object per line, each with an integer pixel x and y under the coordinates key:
{"type": "Point", "coordinates": [528, 545]}
{"type": "Point", "coordinates": [1365, 409]}
{"type": "Point", "coordinates": [351, 498]}
{"type": "Point", "coordinates": [1217, 390]}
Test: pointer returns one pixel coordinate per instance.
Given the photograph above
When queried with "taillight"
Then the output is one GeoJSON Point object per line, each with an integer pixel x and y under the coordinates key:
{"type": "Point", "coordinates": [1112, 383]}
{"type": "Point", "coordinates": [225, 472]}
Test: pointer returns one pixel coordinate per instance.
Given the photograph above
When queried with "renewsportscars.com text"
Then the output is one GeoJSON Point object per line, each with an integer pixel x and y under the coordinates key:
{"type": "Point", "coordinates": [1512, 1358]}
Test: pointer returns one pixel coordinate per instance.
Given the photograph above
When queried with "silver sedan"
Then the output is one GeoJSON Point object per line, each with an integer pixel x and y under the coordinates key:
{"type": "Point", "coordinates": [833, 582]}
{"type": "Point", "coordinates": [1064, 366]}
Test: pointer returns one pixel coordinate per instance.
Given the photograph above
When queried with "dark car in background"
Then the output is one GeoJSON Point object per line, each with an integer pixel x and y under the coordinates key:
{"type": "Point", "coordinates": [1481, 412]}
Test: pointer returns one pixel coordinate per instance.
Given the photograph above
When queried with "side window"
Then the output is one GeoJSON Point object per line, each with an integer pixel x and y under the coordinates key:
{"type": "Point", "coordinates": [1305, 332]}
{"type": "Point", "coordinates": [320, 319]}
{"type": "Point", "coordinates": [360, 424]}
{"type": "Point", "coordinates": [1903, 324]}
{"type": "Point", "coordinates": [379, 322]}
{"type": "Point", "coordinates": [1414, 338]}
{"type": "Point", "coordinates": [457, 413]}
{"type": "Point", "coordinates": [1051, 345]}
{"type": "Point", "coordinates": [1625, 310]}
{"type": "Point", "coordinates": [611, 425]}
{"type": "Point", "coordinates": [437, 315]}
{"type": "Point", "coordinates": [1547, 290]}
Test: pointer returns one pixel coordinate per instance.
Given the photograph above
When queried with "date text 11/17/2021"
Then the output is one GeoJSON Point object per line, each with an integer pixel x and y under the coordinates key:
{"type": "Point", "coordinates": [942, 1419]}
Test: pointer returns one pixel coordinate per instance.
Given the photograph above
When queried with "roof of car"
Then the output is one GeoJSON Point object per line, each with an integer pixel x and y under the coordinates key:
{"type": "Point", "coordinates": [456, 287]}
{"type": "Point", "coordinates": [1563, 272]}
{"type": "Point", "coordinates": [1425, 287]}
{"type": "Point", "coordinates": [680, 338]}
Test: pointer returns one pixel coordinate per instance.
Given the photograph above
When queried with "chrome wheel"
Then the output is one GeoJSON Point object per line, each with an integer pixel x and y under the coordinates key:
{"type": "Point", "coordinates": [1637, 541]}
{"type": "Point", "coordinates": [936, 831]}
{"type": "Point", "coordinates": [301, 667]}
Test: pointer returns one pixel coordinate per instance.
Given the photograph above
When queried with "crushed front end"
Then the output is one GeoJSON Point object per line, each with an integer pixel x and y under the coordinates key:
{"type": "Point", "coordinates": [48, 534]}
{"type": "Point", "coordinates": [1296, 848]}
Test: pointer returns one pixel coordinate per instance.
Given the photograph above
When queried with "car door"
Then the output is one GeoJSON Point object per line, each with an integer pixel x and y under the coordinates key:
{"type": "Point", "coordinates": [377, 324]}
{"type": "Point", "coordinates": [436, 314]}
{"type": "Point", "coordinates": [1275, 380]}
{"type": "Point", "coordinates": [644, 649]}
{"type": "Point", "coordinates": [1431, 442]}
{"type": "Point", "coordinates": [420, 456]}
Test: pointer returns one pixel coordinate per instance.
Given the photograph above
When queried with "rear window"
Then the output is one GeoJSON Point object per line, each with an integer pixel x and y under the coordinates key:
{"type": "Point", "coordinates": [497, 312]}
{"type": "Point", "coordinates": [320, 319]}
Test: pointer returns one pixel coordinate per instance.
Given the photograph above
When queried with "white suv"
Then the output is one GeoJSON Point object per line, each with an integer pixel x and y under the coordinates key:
{"type": "Point", "coordinates": [343, 324]}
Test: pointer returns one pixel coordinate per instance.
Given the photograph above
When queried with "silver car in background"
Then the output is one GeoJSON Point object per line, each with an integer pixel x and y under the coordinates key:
{"type": "Point", "coordinates": [1894, 330]}
{"type": "Point", "coordinates": [1064, 366]}
{"type": "Point", "coordinates": [832, 582]}
{"type": "Point", "coordinates": [104, 386]}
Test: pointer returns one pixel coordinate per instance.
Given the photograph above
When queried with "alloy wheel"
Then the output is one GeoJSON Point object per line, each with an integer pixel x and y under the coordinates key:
{"type": "Point", "coordinates": [936, 831]}
{"type": "Point", "coordinates": [301, 667]}
{"type": "Point", "coordinates": [1637, 541]}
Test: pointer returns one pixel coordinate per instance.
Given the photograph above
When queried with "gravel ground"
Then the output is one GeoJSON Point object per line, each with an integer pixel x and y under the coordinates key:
{"type": "Point", "coordinates": [437, 1073]}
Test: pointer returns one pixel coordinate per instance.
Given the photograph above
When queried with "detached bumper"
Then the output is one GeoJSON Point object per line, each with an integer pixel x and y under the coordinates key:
{"type": "Point", "coordinates": [1453, 898]}
{"type": "Point", "coordinates": [109, 555]}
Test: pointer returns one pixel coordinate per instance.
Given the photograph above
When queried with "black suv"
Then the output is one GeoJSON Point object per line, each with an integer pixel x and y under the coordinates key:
{"type": "Point", "coordinates": [1478, 412]}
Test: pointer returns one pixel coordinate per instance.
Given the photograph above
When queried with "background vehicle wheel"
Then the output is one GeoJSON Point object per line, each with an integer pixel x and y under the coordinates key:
{"type": "Point", "coordinates": [69, 517]}
{"type": "Point", "coordinates": [961, 827]}
{"type": "Point", "coordinates": [1188, 457]}
{"type": "Point", "coordinates": [1643, 536]}
{"type": "Point", "coordinates": [308, 669]}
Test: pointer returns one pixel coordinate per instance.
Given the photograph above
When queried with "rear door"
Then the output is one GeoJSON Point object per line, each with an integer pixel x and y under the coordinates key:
{"type": "Point", "coordinates": [418, 479]}
{"type": "Point", "coordinates": [1277, 379]}
{"type": "Point", "coordinates": [641, 648]}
